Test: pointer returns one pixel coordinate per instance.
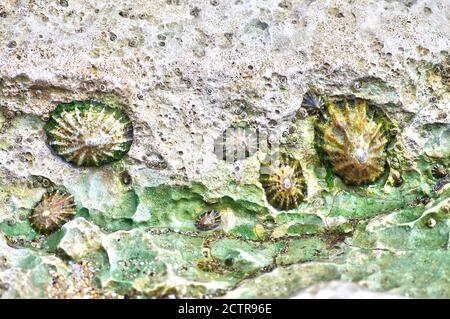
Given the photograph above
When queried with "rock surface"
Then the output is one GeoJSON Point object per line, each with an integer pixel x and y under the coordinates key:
{"type": "Point", "coordinates": [187, 71]}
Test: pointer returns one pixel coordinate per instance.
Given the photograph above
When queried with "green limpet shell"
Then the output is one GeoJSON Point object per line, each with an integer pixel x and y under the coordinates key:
{"type": "Point", "coordinates": [88, 133]}
{"type": "Point", "coordinates": [354, 143]}
{"type": "Point", "coordinates": [283, 182]}
{"type": "Point", "coordinates": [54, 210]}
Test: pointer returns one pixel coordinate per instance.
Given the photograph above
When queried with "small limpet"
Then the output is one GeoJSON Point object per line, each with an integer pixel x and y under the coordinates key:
{"type": "Point", "coordinates": [54, 210]}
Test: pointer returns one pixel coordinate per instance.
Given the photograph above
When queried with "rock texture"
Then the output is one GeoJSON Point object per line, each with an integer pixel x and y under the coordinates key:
{"type": "Point", "coordinates": [186, 71]}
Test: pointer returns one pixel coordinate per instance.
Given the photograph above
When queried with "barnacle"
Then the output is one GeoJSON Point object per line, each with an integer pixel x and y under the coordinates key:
{"type": "Point", "coordinates": [54, 209]}
{"type": "Point", "coordinates": [208, 220]}
{"type": "Point", "coordinates": [89, 133]}
{"type": "Point", "coordinates": [354, 143]}
{"type": "Point", "coordinates": [283, 182]}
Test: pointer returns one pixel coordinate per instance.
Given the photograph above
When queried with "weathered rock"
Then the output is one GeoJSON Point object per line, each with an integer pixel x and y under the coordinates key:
{"type": "Point", "coordinates": [184, 72]}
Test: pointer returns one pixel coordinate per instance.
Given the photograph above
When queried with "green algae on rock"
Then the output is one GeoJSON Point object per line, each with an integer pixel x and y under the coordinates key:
{"type": "Point", "coordinates": [136, 237]}
{"type": "Point", "coordinates": [354, 143]}
{"type": "Point", "coordinates": [88, 133]}
{"type": "Point", "coordinates": [55, 209]}
{"type": "Point", "coordinates": [283, 182]}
